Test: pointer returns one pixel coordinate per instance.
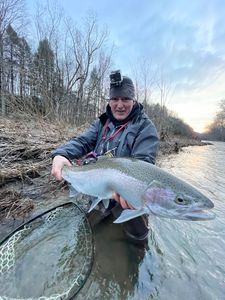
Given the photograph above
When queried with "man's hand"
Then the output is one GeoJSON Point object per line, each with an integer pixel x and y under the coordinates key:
{"type": "Point", "coordinates": [121, 201]}
{"type": "Point", "coordinates": [57, 164]}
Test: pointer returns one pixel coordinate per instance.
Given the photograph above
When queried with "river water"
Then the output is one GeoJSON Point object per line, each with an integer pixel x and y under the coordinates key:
{"type": "Point", "coordinates": [185, 259]}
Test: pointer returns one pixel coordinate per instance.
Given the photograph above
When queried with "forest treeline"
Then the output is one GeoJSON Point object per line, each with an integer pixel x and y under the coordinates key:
{"type": "Point", "coordinates": [216, 130]}
{"type": "Point", "coordinates": [65, 77]}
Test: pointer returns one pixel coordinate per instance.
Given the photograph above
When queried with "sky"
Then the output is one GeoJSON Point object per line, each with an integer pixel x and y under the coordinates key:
{"type": "Point", "coordinates": [184, 38]}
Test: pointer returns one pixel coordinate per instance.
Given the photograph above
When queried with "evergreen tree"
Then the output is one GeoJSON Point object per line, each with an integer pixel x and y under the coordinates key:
{"type": "Point", "coordinates": [43, 75]}
{"type": "Point", "coordinates": [11, 59]}
{"type": "Point", "coordinates": [25, 62]}
{"type": "Point", "coordinates": [11, 12]}
{"type": "Point", "coordinates": [44, 65]}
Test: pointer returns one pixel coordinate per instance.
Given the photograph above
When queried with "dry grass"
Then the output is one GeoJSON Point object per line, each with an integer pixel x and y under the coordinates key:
{"type": "Point", "coordinates": [25, 161]}
{"type": "Point", "coordinates": [13, 204]}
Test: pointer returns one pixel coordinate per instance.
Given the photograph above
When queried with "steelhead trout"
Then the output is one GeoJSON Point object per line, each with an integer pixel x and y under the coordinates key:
{"type": "Point", "coordinates": [146, 187]}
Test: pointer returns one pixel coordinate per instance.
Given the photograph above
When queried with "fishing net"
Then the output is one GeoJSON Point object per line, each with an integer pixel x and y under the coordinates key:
{"type": "Point", "coordinates": [50, 257]}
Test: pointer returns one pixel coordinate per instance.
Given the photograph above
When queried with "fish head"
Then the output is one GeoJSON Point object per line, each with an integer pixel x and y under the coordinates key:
{"type": "Point", "coordinates": [179, 201]}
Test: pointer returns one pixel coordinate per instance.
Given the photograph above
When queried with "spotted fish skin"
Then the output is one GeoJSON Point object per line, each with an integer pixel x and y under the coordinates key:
{"type": "Point", "coordinates": [146, 187]}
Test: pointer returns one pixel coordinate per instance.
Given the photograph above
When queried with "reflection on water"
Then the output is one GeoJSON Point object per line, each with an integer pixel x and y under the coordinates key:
{"type": "Point", "coordinates": [184, 260]}
{"type": "Point", "coordinates": [122, 270]}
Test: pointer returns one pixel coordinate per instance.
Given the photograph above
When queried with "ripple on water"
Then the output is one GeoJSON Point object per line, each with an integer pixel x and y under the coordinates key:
{"type": "Point", "coordinates": [194, 251]}
{"type": "Point", "coordinates": [185, 260]}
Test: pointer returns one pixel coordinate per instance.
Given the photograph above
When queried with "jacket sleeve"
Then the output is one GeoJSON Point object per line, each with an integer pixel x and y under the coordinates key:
{"type": "Point", "coordinates": [146, 143]}
{"type": "Point", "coordinates": [81, 145]}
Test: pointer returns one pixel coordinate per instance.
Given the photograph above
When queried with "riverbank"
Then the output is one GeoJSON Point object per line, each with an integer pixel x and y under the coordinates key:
{"type": "Point", "coordinates": [25, 148]}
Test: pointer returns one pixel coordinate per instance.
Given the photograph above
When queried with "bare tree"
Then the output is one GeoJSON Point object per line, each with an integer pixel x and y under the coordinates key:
{"type": "Point", "coordinates": [49, 22]}
{"type": "Point", "coordinates": [11, 12]}
{"type": "Point", "coordinates": [81, 52]}
{"type": "Point", "coordinates": [216, 130]}
{"type": "Point", "coordinates": [165, 92]}
{"type": "Point", "coordinates": [97, 94]}
{"type": "Point", "coordinates": [76, 49]}
{"type": "Point", "coordinates": [219, 121]}
{"type": "Point", "coordinates": [55, 78]}
{"type": "Point", "coordinates": [144, 77]}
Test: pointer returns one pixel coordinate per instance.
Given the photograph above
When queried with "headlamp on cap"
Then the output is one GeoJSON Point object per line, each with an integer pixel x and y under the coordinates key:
{"type": "Point", "coordinates": [121, 86]}
{"type": "Point", "coordinates": [115, 78]}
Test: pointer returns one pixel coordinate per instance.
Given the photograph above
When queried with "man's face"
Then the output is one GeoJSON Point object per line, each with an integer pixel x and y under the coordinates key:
{"type": "Point", "coordinates": [121, 107]}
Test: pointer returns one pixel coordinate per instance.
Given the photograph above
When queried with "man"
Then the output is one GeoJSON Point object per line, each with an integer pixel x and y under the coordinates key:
{"type": "Point", "coordinates": [126, 130]}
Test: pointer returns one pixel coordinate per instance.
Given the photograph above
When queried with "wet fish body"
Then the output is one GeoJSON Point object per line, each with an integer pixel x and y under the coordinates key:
{"type": "Point", "coordinates": [146, 187]}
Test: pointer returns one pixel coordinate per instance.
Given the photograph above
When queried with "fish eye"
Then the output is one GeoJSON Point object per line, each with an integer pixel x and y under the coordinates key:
{"type": "Point", "coordinates": [180, 200]}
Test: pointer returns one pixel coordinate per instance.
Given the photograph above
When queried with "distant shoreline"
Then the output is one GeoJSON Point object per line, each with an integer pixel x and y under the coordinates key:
{"type": "Point", "coordinates": [176, 143]}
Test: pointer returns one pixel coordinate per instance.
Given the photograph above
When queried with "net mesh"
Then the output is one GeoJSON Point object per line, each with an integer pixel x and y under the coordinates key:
{"type": "Point", "coordinates": [48, 258]}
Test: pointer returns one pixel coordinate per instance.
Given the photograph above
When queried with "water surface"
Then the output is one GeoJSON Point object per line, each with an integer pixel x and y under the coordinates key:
{"type": "Point", "coordinates": [53, 254]}
{"type": "Point", "coordinates": [184, 259]}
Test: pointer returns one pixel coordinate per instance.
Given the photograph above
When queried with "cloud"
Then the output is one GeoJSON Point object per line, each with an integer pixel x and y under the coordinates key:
{"type": "Point", "coordinates": [187, 40]}
{"type": "Point", "coordinates": [183, 38]}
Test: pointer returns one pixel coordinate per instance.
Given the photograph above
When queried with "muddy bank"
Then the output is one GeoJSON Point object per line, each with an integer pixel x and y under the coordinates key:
{"type": "Point", "coordinates": [25, 182]}
{"type": "Point", "coordinates": [26, 187]}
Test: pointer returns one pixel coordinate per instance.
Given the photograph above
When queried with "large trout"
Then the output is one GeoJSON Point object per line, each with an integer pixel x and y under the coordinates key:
{"type": "Point", "coordinates": [146, 187]}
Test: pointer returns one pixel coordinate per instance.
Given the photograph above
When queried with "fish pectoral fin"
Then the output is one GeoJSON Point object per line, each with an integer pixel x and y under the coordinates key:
{"type": "Point", "coordinates": [94, 203]}
{"type": "Point", "coordinates": [73, 191]}
{"type": "Point", "coordinates": [154, 188]}
{"type": "Point", "coordinates": [129, 214]}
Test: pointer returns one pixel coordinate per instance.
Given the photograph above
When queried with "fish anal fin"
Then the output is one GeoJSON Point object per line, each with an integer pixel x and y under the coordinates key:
{"type": "Point", "coordinates": [94, 203]}
{"type": "Point", "coordinates": [73, 191]}
{"type": "Point", "coordinates": [129, 214]}
{"type": "Point", "coordinates": [105, 203]}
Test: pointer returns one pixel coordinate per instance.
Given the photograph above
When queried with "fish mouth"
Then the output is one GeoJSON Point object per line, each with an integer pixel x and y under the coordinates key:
{"type": "Point", "coordinates": [200, 212]}
{"type": "Point", "coordinates": [199, 215]}
{"type": "Point", "coordinates": [196, 213]}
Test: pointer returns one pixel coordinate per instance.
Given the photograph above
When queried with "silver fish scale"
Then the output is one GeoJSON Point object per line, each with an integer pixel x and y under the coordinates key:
{"type": "Point", "coordinates": [142, 171]}
{"type": "Point", "coordinates": [139, 182]}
